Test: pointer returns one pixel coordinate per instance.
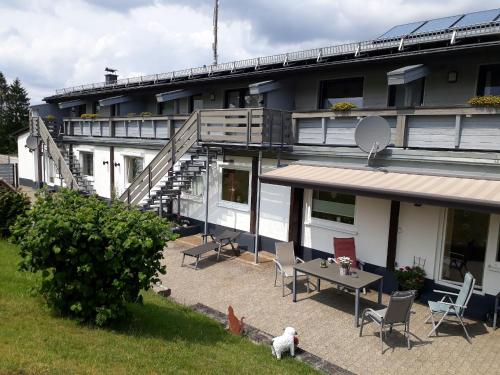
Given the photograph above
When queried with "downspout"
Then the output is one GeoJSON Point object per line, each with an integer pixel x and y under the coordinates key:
{"type": "Point", "coordinates": [257, 210]}
{"type": "Point", "coordinates": [207, 190]}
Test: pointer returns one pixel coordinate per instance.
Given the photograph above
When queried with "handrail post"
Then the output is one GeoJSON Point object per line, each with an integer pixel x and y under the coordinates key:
{"type": "Point", "coordinates": [198, 125]}
{"type": "Point", "coordinates": [271, 124]}
{"type": "Point", "coordinates": [249, 124]}
{"type": "Point", "coordinates": [149, 181]}
{"type": "Point", "coordinates": [128, 197]}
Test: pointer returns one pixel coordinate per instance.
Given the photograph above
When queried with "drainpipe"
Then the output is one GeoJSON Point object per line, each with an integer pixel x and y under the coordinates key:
{"type": "Point", "coordinates": [257, 210]}
{"type": "Point", "coordinates": [207, 183]}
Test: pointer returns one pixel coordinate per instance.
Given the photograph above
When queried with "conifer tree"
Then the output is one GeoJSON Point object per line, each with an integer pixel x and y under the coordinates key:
{"type": "Point", "coordinates": [15, 115]}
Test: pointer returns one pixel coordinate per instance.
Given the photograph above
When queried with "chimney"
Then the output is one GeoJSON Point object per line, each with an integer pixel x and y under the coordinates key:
{"type": "Point", "coordinates": [110, 76]}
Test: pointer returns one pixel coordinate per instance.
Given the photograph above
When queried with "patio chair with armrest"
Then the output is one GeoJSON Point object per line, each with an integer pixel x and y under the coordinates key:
{"type": "Point", "coordinates": [449, 307]}
{"type": "Point", "coordinates": [396, 313]}
{"type": "Point", "coordinates": [346, 247]}
{"type": "Point", "coordinates": [284, 262]}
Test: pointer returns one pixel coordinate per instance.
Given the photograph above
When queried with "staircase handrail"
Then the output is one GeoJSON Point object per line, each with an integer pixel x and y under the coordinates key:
{"type": "Point", "coordinates": [55, 153]}
{"type": "Point", "coordinates": [185, 137]}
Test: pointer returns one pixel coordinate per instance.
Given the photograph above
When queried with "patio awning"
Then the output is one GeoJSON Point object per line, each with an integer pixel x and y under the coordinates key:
{"type": "Point", "coordinates": [263, 87]}
{"type": "Point", "coordinates": [70, 104]}
{"type": "Point", "coordinates": [476, 194]}
{"type": "Point", "coordinates": [114, 100]}
{"type": "Point", "coordinates": [172, 95]}
{"type": "Point", "coordinates": [406, 74]}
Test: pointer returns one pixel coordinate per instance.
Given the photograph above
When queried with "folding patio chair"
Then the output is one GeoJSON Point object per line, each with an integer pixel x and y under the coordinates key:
{"type": "Point", "coordinates": [396, 313]}
{"type": "Point", "coordinates": [345, 247]}
{"type": "Point", "coordinates": [284, 262]}
{"type": "Point", "coordinates": [446, 306]}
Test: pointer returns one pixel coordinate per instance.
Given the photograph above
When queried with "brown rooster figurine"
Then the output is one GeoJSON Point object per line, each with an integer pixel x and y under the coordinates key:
{"type": "Point", "coordinates": [235, 325]}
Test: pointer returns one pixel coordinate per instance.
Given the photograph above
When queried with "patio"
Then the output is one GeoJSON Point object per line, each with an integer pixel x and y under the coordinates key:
{"type": "Point", "coordinates": [324, 320]}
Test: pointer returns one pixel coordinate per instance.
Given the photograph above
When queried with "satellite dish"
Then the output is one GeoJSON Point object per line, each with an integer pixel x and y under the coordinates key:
{"type": "Point", "coordinates": [31, 142]}
{"type": "Point", "coordinates": [372, 134]}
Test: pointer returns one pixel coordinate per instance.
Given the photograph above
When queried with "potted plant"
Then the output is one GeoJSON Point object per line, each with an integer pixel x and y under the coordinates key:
{"type": "Point", "coordinates": [410, 278]}
{"type": "Point", "coordinates": [345, 265]}
{"type": "Point", "coordinates": [343, 107]}
{"type": "Point", "coordinates": [492, 101]}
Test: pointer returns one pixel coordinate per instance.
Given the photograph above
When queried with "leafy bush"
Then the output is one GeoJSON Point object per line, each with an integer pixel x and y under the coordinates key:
{"type": "Point", "coordinates": [343, 106]}
{"type": "Point", "coordinates": [485, 101]}
{"type": "Point", "coordinates": [94, 257]}
{"type": "Point", "coordinates": [410, 278]}
{"type": "Point", "coordinates": [12, 204]}
{"type": "Point", "coordinates": [146, 114]}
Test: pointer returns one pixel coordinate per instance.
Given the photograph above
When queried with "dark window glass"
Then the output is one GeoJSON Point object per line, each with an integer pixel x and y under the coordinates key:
{"type": "Point", "coordinates": [195, 103]}
{"type": "Point", "coordinates": [95, 107]}
{"type": "Point", "coordinates": [465, 245]}
{"type": "Point", "coordinates": [407, 95]}
{"type": "Point", "coordinates": [134, 167]}
{"type": "Point", "coordinates": [87, 163]}
{"type": "Point", "coordinates": [488, 82]}
{"type": "Point", "coordinates": [235, 185]}
{"type": "Point", "coordinates": [241, 98]}
{"type": "Point", "coordinates": [115, 110]}
{"type": "Point", "coordinates": [339, 90]}
{"type": "Point", "coordinates": [333, 206]}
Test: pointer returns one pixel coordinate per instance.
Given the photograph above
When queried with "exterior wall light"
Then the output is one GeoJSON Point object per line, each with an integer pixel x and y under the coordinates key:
{"type": "Point", "coordinates": [452, 76]}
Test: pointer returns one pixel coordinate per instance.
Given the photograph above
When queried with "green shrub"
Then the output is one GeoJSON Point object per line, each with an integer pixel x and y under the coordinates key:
{"type": "Point", "coordinates": [410, 278]}
{"type": "Point", "coordinates": [12, 204]}
{"type": "Point", "coordinates": [146, 114]}
{"type": "Point", "coordinates": [343, 106]}
{"type": "Point", "coordinates": [485, 101]}
{"type": "Point", "coordinates": [93, 257]}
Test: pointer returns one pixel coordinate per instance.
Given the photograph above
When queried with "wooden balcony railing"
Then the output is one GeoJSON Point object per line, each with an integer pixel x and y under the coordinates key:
{"type": "Point", "coordinates": [456, 128]}
{"type": "Point", "coordinates": [150, 127]}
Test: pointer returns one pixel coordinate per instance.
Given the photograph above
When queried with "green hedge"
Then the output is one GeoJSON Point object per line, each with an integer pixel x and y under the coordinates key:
{"type": "Point", "coordinates": [12, 204]}
{"type": "Point", "coordinates": [93, 257]}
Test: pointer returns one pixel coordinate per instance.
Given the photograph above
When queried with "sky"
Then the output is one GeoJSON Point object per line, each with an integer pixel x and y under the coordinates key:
{"type": "Point", "coordinates": [51, 44]}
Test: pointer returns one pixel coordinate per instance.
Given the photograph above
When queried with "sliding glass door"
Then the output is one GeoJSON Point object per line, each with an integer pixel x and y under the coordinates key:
{"type": "Point", "coordinates": [465, 244]}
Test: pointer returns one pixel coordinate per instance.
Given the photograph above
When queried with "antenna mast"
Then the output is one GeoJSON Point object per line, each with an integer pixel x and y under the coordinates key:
{"type": "Point", "coordinates": [216, 16]}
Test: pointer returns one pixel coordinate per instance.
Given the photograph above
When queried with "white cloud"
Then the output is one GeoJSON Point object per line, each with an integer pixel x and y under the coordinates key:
{"type": "Point", "coordinates": [51, 44]}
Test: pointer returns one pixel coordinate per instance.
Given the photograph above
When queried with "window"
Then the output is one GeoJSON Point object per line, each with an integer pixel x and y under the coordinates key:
{"type": "Point", "coordinates": [241, 98]}
{"type": "Point", "coordinates": [95, 108]}
{"type": "Point", "coordinates": [134, 167]}
{"type": "Point", "coordinates": [407, 95]}
{"type": "Point", "coordinates": [195, 103]}
{"type": "Point", "coordinates": [488, 82]}
{"type": "Point", "coordinates": [196, 188]}
{"type": "Point", "coordinates": [115, 110]}
{"type": "Point", "coordinates": [171, 107]}
{"type": "Point", "coordinates": [333, 206]}
{"type": "Point", "coordinates": [235, 185]}
{"type": "Point", "coordinates": [87, 159]}
{"type": "Point", "coordinates": [465, 245]}
{"type": "Point", "coordinates": [341, 90]}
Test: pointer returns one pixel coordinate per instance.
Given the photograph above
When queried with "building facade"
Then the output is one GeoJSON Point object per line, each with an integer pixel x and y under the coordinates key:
{"type": "Point", "coordinates": [210, 144]}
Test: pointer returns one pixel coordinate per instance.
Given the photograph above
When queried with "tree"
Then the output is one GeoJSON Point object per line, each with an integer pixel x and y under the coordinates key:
{"type": "Point", "coordinates": [4, 87]}
{"type": "Point", "coordinates": [14, 115]}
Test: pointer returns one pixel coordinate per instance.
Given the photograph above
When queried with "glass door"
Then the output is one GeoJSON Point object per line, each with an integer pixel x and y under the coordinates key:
{"type": "Point", "coordinates": [465, 243]}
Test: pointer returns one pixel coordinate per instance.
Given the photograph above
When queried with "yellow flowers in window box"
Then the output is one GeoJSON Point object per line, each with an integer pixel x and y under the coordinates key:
{"type": "Point", "coordinates": [485, 101]}
{"type": "Point", "coordinates": [343, 106]}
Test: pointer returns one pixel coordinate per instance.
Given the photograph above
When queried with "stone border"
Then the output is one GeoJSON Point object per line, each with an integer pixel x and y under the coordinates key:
{"type": "Point", "coordinates": [260, 337]}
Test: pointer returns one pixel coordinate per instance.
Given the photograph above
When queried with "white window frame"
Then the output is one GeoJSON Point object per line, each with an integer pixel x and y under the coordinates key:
{"type": "Point", "coordinates": [82, 153]}
{"type": "Point", "coordinates": [440, 254]}
{"type": "Point", "coordinates": [234, 205]}
{"type": "Point", "coordinates": [195, 197]}
{"type": "Point", "coordinates": [311, 221]}
{"type": "Point", "coordinates": [125, 166]}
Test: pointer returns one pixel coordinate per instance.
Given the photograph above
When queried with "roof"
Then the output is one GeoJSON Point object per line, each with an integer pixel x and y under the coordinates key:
{"type": "Point", "coordinates": [390, 43]}
{"type": "Point", "coordinates": [476, 194]}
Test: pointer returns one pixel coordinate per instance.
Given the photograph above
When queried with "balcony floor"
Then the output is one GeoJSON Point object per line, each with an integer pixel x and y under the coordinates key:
{"type": "Point", "coordinates": [324, 320]}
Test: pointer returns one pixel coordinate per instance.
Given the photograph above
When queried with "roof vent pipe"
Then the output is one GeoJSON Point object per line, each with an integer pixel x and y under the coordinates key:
{"type": "Point", "coordinates": [110, 77]}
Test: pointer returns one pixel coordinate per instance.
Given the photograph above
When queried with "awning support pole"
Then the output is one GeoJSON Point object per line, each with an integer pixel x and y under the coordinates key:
{"type": "Point", "coordinates": [207, 184]}
{"type": "Point", "coordinates": [257, 210]}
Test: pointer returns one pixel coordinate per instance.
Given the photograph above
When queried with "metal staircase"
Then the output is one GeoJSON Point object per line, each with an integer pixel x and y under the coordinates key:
{"type": "Point", "coordinates": [160, 181]}
{"type": "Point", "coordinates": [65, 162]}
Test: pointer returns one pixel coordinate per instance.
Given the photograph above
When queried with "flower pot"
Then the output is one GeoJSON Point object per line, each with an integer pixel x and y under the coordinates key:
{"type": "Point", "coordinates": [344, 271]}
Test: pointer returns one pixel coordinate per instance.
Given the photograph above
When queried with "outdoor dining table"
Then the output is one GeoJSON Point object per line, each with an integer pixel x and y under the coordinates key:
{"type": "Point", "coordinates": [356, 281]}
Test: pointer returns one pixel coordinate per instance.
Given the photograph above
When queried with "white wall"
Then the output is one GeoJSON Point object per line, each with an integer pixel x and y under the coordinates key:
{"type": "Point", "coordinates": [121, 182]}
{"type": "Point", "coordinates": [492, 269]}
{"type": "Point", "coordinates": [370, 229]}
{"type": "Point", "coordinates": [418, 235]}
{"type": "Point", "coordinates": [26, 159]}
{"type": "Point", "coordinates": [100, 180]}
{"type": "Point", "coordinates": [274, 208]}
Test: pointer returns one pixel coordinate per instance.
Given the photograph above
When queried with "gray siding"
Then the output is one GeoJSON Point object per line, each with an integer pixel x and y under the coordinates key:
{"type": "Point", "coordinates": [480, 133]}
{"type": "Point", "coordinates": [431, 132]}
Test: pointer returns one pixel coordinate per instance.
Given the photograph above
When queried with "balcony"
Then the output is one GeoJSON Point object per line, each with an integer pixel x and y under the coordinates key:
{"type": "Point", "coordinates": [446, 128]}
{"type": "Point", "coordinates": [249, 126]}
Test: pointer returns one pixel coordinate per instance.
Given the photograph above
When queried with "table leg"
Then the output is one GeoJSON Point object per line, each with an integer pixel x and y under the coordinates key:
{"type": "Point", "coordinates": [495, 313]}
{"type": "Point", "coordinates": [356, 309]}
{"type": "Point", "coordinates": [319, 284]}
{"type": "Point", "coordinates": [294, 285]}
{"type": "Point", "coordinates": [380, 287]}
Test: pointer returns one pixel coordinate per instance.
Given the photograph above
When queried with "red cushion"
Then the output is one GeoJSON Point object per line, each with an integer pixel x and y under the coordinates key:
{"type": "Point", "coordinates": [345, 247]}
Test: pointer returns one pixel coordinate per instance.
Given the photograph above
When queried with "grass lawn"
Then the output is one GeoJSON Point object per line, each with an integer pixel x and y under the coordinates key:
{"type": "Point", "coordinates": [162, 337]}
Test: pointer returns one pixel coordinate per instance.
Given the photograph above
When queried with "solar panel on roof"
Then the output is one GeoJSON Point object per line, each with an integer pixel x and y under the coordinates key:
{"type": "Point", "coordinates": [437, 24]}
{"type": "Point", "coordinates": [401, 30]}
{"type": "Point", "coordinates": [478, 17]}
